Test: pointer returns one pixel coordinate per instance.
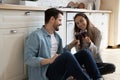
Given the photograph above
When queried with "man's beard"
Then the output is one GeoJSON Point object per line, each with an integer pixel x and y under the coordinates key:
{"type": "Point", "coordinates": [56, 28]}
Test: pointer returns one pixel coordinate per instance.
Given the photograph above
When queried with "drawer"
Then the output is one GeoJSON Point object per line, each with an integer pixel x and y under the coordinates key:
{"type": "Point", "coordinates": [14, 18]}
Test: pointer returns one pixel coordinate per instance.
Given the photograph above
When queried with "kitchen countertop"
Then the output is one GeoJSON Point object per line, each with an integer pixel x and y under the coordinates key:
{"type": "Point", "coordinates": [22, 7]}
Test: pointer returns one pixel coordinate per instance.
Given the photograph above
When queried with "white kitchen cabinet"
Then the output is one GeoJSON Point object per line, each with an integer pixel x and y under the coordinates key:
{"type": "Point", "coordinates": [101, 21]}
{"type": "Point", "coordinates": [11, 53]}
{"type": "Point", "coordinates": [70, 36]}
{"type": "Point", "coordinates": [14, 27]}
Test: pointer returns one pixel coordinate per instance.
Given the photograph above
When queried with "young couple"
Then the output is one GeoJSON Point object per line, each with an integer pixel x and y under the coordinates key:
{"type": "Point", "coordinates": [48, 60]}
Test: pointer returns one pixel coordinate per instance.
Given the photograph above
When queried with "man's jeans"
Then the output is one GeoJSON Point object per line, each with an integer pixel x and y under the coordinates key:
{"type": "Point", "coordinates": [68, 64]}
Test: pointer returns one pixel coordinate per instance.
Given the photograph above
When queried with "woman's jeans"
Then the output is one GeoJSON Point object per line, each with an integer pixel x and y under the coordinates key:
{"type": "Point", "coordinates": [106, 68]}
{"type": "Point", "coordinates": [68, 64]}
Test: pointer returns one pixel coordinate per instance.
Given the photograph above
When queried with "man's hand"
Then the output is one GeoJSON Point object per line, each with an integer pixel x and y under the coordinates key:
{"type": "Point", "coordinates": [50, 60]}
{"type": "Point", "coordinates": [53, 58]}
{"type": "Point", "coordinates": [73, 43]}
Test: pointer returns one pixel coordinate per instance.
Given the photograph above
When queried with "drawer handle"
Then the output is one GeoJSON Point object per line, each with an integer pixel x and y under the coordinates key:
{"type": "Point", "coordinates": [27, 13]}
{"type": "Point", "coordinates": [13, 31]}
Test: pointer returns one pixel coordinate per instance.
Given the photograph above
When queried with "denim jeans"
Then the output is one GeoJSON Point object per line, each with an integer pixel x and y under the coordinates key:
{"type": "Point", "coordinates": [68, 64]}
{"type": "Point", "coordinates": [106, 68]}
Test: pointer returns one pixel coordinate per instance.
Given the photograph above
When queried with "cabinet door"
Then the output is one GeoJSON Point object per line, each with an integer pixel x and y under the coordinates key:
{"type": "Point", "coordinates": [70, 36]}
{"type": "Point", "coordinates": [11, 53]}
{"type": "Point", "coordinates": [70, 28]}
{"type": "Point", "coordinates": [101, 20]}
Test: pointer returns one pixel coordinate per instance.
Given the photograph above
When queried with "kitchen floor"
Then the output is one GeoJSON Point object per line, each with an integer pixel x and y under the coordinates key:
{"type": "Point", "coordinates": [112, 56]}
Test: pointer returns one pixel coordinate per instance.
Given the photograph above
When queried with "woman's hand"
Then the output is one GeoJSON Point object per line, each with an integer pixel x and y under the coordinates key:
{"type": "Point", "coordinates": [87, 39]}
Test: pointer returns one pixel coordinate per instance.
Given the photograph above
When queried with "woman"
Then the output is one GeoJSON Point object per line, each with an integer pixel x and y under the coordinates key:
{"type": "Point", "coordinates": [89, 38]}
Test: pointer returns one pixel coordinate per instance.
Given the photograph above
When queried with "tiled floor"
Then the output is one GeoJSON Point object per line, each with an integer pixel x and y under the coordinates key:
{"type": "Point", "coordinates": [112, 56]}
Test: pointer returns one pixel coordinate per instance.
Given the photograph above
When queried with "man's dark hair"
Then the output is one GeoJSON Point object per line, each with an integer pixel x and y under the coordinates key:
{"type": "Point", "coordinates": [52, 12]}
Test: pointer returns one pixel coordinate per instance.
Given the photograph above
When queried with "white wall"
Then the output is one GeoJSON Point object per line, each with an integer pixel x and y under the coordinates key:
{"type": "Point", "coordinates": [112, 5]}
{"type": "Point", "coordinates": [48, 3]}
{"type": "Point", "coordinates": [118, 37]}
{"type": "Point", "coordinates": [56, 3]}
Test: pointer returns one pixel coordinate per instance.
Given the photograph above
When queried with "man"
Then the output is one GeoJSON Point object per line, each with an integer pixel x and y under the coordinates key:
{"type": "Point", "coordinates": [46, 58]}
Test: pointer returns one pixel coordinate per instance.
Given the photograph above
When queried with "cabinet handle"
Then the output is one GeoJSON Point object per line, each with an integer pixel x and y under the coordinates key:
{"type": "Point", "coordinates": [13, 31]}
{"type": "Point", "coordinates": [27, 13]}
{"type": "Point", "coordinates": [103, 13]}
{"type": "Point", "coordinates": [70, 23]}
